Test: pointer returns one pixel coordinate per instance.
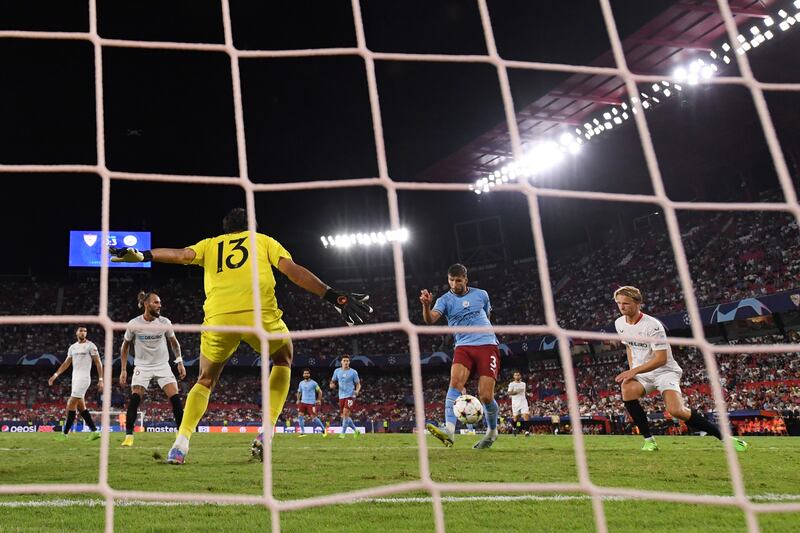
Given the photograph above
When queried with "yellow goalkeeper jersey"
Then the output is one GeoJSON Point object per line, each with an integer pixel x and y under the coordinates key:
{"type": "Point", "coordinates": [227, 261]}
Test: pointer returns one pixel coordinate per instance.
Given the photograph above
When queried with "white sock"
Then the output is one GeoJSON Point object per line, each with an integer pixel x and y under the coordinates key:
{"type": "Point", "coordinates": [451, 428]}
{"type": "Point", "coordinates": [649, 438]}
{"type": "Point", "coordinates": [182, 443]}
{"type": "Point", "coordinates": [491, 434]}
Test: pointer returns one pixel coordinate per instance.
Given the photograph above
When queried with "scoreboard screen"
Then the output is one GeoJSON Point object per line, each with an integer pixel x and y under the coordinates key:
{"type": "Point", "coordinates": [85, 247]}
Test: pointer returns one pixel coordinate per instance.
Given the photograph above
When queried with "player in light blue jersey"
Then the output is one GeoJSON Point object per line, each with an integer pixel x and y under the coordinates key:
{"type": "Point", "coordinates": [474, 352]}
{"type": "Point", "coordinates": [349, 387]}
{"type": "Point", "coordinates": [309, 396]}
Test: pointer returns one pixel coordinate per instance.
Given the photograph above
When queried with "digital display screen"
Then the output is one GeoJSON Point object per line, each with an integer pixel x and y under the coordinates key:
{"type": "Point", "coordinates": [85, 247]}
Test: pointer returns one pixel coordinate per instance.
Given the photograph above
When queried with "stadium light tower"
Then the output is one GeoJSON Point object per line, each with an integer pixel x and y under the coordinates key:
{"type": "Point", "coordinates": [365, 238]}
{"type": "Point", "coordinates": [547, 154]}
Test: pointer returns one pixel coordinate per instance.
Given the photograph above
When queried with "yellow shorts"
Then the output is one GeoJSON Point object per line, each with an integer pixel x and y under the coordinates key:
{"type": "Point", "coordinates": [218, 346]}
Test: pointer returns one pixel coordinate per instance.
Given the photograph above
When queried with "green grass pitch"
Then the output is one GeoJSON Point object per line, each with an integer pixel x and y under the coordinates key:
{"type": "Point", "coordinates": [313, 466]}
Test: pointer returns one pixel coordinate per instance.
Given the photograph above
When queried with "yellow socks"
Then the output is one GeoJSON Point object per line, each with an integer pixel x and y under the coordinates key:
{"type": "Point", "coordinates": [279, 378]}
{"type": "Point", "coordinates": [196, 405]}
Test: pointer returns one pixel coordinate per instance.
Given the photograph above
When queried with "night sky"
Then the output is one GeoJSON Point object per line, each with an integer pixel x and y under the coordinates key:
{"type": "Point", "coordinates": [309, 118]}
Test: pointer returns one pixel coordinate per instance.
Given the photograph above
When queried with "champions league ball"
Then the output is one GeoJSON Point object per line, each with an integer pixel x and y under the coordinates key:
{"type": "Point", "coordinates": [257, 447]}
{"type": "Point", "coordinates": [468, 409]}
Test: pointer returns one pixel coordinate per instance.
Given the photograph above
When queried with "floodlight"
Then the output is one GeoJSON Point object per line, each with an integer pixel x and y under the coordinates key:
{"type": "Point", "coordinates": [754, 30]}
{"type": "Point", "coordinates": [679, 74]}
{"type": "Point", "coordinates": [707, 72]}
{"type": "Point", "coordinates": [617, 120]}
{"type": "Point", "coordinates": [726, 46]}
{"type": "Point", "coordinates": [768, 22]}
{"type": "Point", "coordinates": [667, 93]}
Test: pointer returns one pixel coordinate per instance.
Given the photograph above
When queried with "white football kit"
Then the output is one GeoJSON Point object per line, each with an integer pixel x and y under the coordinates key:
{"type": "Point", "coordinates": [81, 354]}
{"type": "Point", "coordinates": [151, 353]}
{"type": "Point", "coordinates": [667, 377]}
{"type": "Point", "coordinates": [519, 402]}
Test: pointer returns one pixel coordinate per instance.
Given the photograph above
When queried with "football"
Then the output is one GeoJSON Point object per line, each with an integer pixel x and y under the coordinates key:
{"type": "Point", "coordinates": [468, 409]}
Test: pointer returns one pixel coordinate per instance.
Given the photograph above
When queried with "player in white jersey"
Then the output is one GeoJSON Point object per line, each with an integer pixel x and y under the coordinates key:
{"type": "Point", "coordinates": [152, 360]}
{"type": "Point", "coordinates": [652, 367]}
{"type": "Point", "coordinates": [519, 401]}
{"type": "Point", "coordinates": [80, 355]}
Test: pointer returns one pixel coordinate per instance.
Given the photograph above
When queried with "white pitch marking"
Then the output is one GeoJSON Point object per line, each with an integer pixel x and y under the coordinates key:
{"type": "Point", "coordinates": [421, 499]}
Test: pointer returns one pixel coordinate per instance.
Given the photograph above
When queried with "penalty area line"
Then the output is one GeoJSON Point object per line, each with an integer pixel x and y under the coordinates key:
{"type": "Point", "coordinates": [769, 497]}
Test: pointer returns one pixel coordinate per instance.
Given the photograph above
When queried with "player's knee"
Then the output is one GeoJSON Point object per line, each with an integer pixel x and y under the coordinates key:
{"type": "Point", "coordinates": [282, 357]}
{"type": "Point", "coordinates": [486, 397]}
{"type": "Point", "coordinates": [206, 381]}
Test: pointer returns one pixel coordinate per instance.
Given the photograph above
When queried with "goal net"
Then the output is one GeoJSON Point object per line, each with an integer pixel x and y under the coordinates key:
{"type": "Point", "coordinates": [584, 485]}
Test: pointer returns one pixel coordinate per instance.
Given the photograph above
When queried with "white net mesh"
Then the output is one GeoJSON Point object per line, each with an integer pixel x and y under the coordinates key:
{"type": "Point", "coordinates": [551, 327]}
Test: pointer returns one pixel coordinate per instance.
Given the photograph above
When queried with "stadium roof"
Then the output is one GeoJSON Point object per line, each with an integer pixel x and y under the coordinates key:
{"type": "Point", "coordinates": [684, 31]}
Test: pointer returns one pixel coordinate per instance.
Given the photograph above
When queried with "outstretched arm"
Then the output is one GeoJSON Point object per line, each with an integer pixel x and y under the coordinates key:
{"type": "Point", "coordinates": [302, 277]}
{"type": "Point", "coordinates": [353, 307]}
{"type": "Point", "coordinates": [178, 256]}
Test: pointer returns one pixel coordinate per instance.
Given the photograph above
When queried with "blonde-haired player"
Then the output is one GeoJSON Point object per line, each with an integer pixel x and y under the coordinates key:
{"type": "Point", "coordinates": [227, 262]}
{"type": "Point", "coordinates": [652, 367]}
{"type": "Point", "coordinates": [80, 355]}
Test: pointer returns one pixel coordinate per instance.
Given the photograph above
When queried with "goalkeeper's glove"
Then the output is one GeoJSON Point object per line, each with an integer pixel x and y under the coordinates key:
{"type": "Point", "coordinates": [129, 255]}
{"type": "Point", "coordinates": [353, 307]}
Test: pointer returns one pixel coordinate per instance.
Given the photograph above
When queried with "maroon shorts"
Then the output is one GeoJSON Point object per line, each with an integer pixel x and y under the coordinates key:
{"type": "Point", "coordinates": [346, 403]}
{"type": "Point", "coordinates": [309, 409]}
{"type": "Point", "coordinates": [483, 360]}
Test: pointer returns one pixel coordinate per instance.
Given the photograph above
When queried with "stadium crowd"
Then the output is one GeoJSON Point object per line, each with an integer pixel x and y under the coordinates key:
{"type": "Point", "coordinates": [754, 382]}
{"type": "Point", "coordinates": [731, 256]}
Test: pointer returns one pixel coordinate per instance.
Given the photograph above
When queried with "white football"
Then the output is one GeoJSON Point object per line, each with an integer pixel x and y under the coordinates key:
{"type": "Point", "coordinates": [468, 409]}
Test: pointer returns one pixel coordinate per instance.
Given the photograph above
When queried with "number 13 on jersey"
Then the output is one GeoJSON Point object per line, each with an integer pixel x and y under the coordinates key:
{"type": "Point", "coordinates": [237, 254]}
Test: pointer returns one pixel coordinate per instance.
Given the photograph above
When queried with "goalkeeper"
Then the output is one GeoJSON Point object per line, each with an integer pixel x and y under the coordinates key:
{"type": "Point", "coordinates": [227, 261]}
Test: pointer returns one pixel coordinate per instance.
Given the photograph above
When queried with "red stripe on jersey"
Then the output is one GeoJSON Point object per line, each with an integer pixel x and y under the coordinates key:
{"type": "Point", "coordinates": [641, 316]}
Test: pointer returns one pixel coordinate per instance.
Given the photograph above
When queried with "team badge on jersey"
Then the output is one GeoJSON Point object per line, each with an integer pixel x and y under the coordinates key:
{"type": "Point", "coordinates": [465, 303]}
